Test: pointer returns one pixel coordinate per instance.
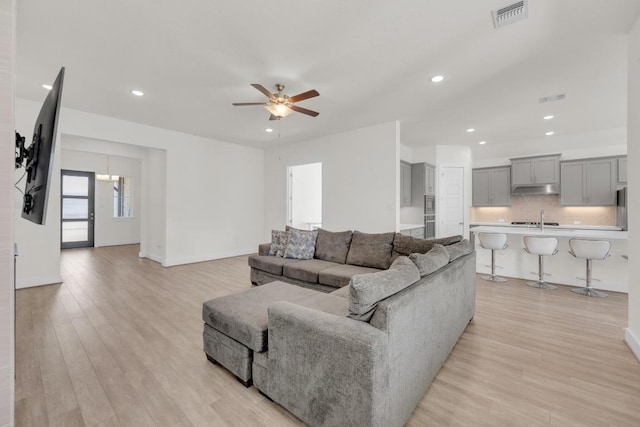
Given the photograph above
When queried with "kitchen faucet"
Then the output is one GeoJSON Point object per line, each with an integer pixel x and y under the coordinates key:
{"type": "Point", "coordinates": [541, 219]}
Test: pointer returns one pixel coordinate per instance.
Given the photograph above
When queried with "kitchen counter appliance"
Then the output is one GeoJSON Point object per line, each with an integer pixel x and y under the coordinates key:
{"type": "Point", "coordinates": [534, 223]}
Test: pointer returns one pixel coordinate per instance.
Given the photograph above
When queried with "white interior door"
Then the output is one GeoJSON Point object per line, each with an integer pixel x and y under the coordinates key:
{"type": "Point", "coordinates": [451, 212]}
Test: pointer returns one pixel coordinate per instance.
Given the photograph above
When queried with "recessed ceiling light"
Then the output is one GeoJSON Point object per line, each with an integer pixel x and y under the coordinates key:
{"type": "Point", "coordinates": [549, 133]}
{"type": "Point", "coordinates": [482, 142]}
{"type": "Point", "coordinates": [137, 92]}
{"type": "Point", "coordinates": [268, 130]}
{"type": "Point", "coordinates": [549, 117]}
{"type": "Point", "coordinates": [47, 87]}
{"type": "Point", "coordinates": [437, 79]}
{"type": "Point", "coordinates": [471, 130]}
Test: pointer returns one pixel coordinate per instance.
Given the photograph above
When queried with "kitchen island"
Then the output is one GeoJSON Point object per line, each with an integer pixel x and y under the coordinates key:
{"type": "Point", "coordinates": [561, 268]}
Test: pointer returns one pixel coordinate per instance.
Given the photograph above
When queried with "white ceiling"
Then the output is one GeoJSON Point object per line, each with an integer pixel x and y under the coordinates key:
{"type": "Point", "coordinates": [370, 60]}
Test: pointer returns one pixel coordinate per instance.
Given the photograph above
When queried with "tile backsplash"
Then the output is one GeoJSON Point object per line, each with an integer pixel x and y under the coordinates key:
{"type": "Point", "coordinates": [527, 208]}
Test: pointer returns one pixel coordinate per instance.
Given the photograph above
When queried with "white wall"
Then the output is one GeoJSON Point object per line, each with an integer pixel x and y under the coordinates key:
{"type": "Point", "coordinates": [359, 191]}
{"type": "Point", "coordinates": [213, 197]}
{"type": "Point", "coordinates": [607, 142]}
{"type": "Point", "coordinates": [109, 231]}
{"type": "Point", "coordinates": [632, 333]}
{"type": "Point", "coordinates": [7, 150]}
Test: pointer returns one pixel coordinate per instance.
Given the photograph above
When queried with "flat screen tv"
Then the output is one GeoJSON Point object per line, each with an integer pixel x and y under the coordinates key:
{"type": "Point", "coordinates": [37, 158]}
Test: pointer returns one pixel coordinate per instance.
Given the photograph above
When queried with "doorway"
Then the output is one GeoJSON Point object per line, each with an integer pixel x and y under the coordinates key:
{"type": "Point", "coordinates": [451, 201]}
{"type": "Point", "coordinates": [304, 196]}
{"type": "Point", "coordinates": [77, 193]}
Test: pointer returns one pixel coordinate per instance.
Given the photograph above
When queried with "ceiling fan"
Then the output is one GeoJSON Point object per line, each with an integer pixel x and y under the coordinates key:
{"type": "Point", "coordinates": [281, 105]}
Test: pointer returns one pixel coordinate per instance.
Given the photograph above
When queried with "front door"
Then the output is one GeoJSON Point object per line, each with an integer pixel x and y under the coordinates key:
{"type": "Point", "coordinates": [77, 209]}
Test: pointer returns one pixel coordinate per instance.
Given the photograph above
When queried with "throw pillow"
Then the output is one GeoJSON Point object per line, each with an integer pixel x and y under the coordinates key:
{"type": "Point", "coordinates": [333, 246]}
{"type": "Point", "coordinates": [433, 260]}
{"type": "Point", "coordinates": [301, 244]}
{"type": "Point", "coordinates": [367, 290]}
{"type": "Point", "coordinates": [278, 243]}
{"type": "Point", "coordinates": [370, 250]}
{"type": "Point", "coordinates": [459, 249]}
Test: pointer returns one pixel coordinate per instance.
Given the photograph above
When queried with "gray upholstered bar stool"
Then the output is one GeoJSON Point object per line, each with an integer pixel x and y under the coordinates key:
{"type": "Point", "coordinates": [495, 242]}
{"type": "Point", "coordinates": [589, 250]}
{"type": "Point", "coordinates": [541, 246]}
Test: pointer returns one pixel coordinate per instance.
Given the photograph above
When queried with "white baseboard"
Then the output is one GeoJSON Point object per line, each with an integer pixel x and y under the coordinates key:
{"type": "Point", "coordinates": [116, 243]}
{"type": "Point", "coordinates": [632, 341]}
{"type": "Point", "coordinates": [152, 257]}
{"type": "Point", "coordinates": [210, 257]}
{"type": "Point", "coordinates": [40, 281]}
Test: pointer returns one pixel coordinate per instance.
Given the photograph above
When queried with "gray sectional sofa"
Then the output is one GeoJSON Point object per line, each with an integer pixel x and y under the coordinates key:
{"type": "Point", "coordinates": [337, 257]}
{"type": "Point", "coordinates": [361, 355]}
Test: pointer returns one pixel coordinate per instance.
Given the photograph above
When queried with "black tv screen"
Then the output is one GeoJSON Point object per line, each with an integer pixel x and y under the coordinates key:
{"type": "Point", "coordinates": [39, 156]}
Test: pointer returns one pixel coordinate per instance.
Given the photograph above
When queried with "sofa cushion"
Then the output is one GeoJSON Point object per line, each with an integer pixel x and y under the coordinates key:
{"type": "Point", "coordinates": [366, 290]}
{"type": "Point", "coordinates": [459, 249]}
{"type": "Point", "coordinates": [343, 292]}
{"type": "Point", "coordinates": [270, 264]}
{"type": "Point", "coordinates": [301, 244]}
{"type": "Point", "coordinates": [407, 245]}
{"type": "Point", "coordinates": [327, 303]}
{"type": "Point", "coordinates": [278, 243]}
{"type": "Point", "coordinates": [371, 250]}
{"type": "Point", "coordinates": [243, 316]}
{"type": "Point", "coordinates": [340, 275]}
{"type": "Point", "coordinates": [433, 260]}
{"type": "Point", "coordinates": [306, 270]}
{"type": "Point", "coordinates": [333, 246]}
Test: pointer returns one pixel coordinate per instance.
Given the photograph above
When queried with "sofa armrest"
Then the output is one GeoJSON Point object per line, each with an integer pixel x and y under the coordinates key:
{"type": "Point", "coordinates": [263, 248]}
{"type": "Point", "coordinates": [327, 369]}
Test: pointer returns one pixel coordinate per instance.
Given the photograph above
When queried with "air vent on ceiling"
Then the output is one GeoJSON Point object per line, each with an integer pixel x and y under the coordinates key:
{"type": "Point", "coordinates": [553, 98]}
{"type": "Point", "coordinates": [510, 14]}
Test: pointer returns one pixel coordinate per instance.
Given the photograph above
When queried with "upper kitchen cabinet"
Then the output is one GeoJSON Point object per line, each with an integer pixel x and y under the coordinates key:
{"type": "Point", "coordinates": [423, 181]}
{"type": "Point", "coordinates": [535, 170]}
{"type": "Point", "coordinates": [589, 182]}
{"type": "Point", "coordinates": [622, 170]}
{"type": "Point", "coordinates": [491, 186]}
{"type": "Point", "coordinates": [430, 178]}
{"type": "Point", "coordinates": [405, 184]}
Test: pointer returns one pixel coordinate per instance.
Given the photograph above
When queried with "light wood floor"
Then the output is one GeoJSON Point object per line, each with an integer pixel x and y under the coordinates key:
{"type": "Point", "coordinates": [119, 344]}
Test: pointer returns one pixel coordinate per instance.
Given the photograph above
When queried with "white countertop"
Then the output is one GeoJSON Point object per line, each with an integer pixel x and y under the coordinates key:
{"type": "Point", "coordinates": [410, 226]}
{"type": "Point", "coordinates": [553, 231]}
{"type": "Point", "coordinates": [561, 226]}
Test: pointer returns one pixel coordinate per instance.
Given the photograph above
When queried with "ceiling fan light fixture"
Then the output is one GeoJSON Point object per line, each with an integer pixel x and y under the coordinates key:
{"type": "Point", "coordinates": [278, 110]}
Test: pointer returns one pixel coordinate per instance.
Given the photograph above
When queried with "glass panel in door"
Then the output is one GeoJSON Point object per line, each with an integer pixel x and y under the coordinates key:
{"type": "Point", "coordinates": [77, 209]}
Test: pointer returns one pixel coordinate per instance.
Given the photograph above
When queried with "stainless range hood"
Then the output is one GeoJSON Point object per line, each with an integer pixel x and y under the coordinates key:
{"type": "Point", "coordinates": [535, 190]}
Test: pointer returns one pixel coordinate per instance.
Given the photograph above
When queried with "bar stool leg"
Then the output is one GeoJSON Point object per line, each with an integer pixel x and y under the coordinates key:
{"type": "Point", "coordinates": [588, 290]}
{"type": "Point", "coordinates": [492, 277]}
{"type": "Point", "coordinates": [541, 283]}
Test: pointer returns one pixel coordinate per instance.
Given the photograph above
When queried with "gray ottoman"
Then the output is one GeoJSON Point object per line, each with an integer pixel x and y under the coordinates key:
{"type": "Point", "coordinates": [236, 325]}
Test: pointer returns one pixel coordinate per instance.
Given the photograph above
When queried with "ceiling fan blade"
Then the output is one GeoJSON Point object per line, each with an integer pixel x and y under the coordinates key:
{"type": "Point", "coordinates": [272, 117]}
{"type": "Point", "coordinates": [305, 95]}
{"type": "Point", "coordinates": [263, 90]}
{"type": "Point", "coordinates": [304, 110]}
{"type": "Point", "coordinates": [242, 104]}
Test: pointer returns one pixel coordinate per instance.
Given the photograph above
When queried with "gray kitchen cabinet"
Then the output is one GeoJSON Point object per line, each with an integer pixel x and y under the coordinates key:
{"type": "Point", "coordinates": [430, 178]}
{"type": "Point", "coordinates": [622, 170]}
{"type": "Point", "coordinates": [423, 177]}
{"type": "Point", "coordinates": [405, 184]}
{"type": "Point", "coordinates": [589, 182]}
{"type": "Point", "coordinates": [535, 170]}
{"type": "Point", "coordinates": [491, 186]}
